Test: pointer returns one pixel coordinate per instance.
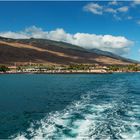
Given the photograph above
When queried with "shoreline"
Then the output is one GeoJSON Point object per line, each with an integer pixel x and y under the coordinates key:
{"type": "Point", "coordinates": [57, 73]}
{"type": "Point", "coordinates": [6, 73]}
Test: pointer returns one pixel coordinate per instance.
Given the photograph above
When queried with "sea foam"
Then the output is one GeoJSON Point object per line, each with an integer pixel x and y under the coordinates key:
{"type": "Point", "coordinates": [88, 119]}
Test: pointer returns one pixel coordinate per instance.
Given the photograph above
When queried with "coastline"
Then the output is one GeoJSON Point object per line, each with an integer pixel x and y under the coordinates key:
{"type": "Point", "coordinates": [57, 73]}
{"type": "Point", "coordinates": [5, 73]}
{"type": "Point", "coordinates": [69, 70]}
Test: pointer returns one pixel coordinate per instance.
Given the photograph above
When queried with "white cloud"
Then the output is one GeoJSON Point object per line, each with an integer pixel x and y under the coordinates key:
{"type": "Point", "coordinates": [138, 22]}
{"type": "Point", "coordinates": [60, 35]}
{"type": "Point", "coordinates": [117, 17]}
{"type": "Point", "coordinates": [116, 44]}
{"type": "Point", "coordinates": [136, 2]}
{"type": "Point", "coordinates": [104, 42]}
{"type": "Point", "coordinates": [129, 17]}
{"type": "Point", "coordinates": [110, 10]}
{"type": "Point", "coordinates": [123, 9]}
{"type": "Point", "coordinates": [94, 8]}
{"type": "Point", "coordinates": [15, 35]}
{"type": "Point", "coordinates": [114, 2]}
{"type": "Point", "coordinates": [117, 11]}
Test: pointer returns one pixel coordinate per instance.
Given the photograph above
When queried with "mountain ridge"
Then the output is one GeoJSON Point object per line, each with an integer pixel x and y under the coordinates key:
{"type": "Point", "coordinates": [51, 52]}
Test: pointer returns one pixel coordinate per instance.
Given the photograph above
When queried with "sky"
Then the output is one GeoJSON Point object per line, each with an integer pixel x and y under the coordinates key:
{"type": "Point", "coordinates": [107, 25]}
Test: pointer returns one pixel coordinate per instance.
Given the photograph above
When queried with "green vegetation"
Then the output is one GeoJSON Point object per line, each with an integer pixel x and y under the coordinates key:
{"type": "Point", "coordinates": [79, 67]}
{"type": "Point", "coordinates": [3, 68]}
{"type": "Point", "coordinates": [76, 67]}
{"type": "Point", "coordinates": [128, 68]}
{"type": "Point", "coordinates": [70, 68]}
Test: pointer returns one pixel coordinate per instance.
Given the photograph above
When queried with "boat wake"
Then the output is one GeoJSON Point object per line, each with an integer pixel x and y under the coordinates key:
{"type": "Point", "coordinates": [94, 116]}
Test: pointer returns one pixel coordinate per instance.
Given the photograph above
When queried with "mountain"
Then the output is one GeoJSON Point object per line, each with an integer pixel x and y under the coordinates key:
{"type": "Point", "coordinates": [112, 55]}
{"type": "Point", "coordinates": [23, 51]}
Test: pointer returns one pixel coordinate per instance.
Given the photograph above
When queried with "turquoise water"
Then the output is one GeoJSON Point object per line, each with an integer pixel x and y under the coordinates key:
{"type": "Point", "coordinates": [74, 106]}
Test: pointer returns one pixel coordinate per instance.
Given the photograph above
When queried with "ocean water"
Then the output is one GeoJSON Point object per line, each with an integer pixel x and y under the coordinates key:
{"type": "Point", "coordinates": [70, 106]}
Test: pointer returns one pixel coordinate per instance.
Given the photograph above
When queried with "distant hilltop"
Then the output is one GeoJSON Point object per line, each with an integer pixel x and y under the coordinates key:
{"type": "Point", "coordinates": [43, 51]}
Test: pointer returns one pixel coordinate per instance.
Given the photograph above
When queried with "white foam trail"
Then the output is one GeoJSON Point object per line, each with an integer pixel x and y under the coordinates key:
{"type": "Point", "coordinates": [86, 120]}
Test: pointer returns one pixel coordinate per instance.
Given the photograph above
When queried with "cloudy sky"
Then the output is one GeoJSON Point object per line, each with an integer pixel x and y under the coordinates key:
{"type": "Point", "coordinates": [107, 25]}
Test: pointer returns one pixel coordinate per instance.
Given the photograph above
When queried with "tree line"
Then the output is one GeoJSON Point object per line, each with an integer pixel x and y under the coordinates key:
{"type": "Point", "coordinates": [3, 68]}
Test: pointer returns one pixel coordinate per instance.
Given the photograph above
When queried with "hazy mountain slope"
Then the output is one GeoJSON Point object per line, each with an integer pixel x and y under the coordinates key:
{"type": "Point", "coordinates": [51, 52]}
{"type": "Point", "coordinates": [112, 55]}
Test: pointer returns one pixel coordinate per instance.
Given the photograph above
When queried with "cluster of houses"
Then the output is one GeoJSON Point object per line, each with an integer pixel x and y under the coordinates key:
{"type": "Point", "coordinates": [57, 69]}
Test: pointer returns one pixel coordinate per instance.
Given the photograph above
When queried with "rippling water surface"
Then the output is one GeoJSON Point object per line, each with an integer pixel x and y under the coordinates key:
{"type": "Point", "coordinates": [82, 106]}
